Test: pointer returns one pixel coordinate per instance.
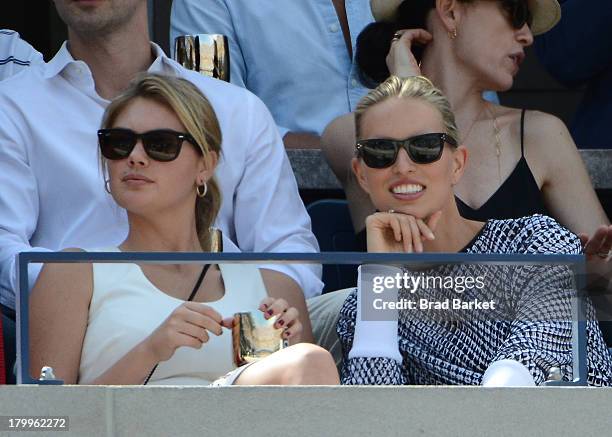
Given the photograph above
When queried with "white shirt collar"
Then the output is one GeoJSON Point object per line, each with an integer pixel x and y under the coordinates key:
{"type": "Point", "coordinates": [63, 58]}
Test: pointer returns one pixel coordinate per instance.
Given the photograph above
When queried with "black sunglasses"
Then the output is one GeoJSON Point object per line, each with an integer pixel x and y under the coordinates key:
{"type": "Point", "coordinates": [518, 12]}
{"type": "Point", "coordinates": [161, 145]}
{"type": "Point", "coordinates": [422, 149]}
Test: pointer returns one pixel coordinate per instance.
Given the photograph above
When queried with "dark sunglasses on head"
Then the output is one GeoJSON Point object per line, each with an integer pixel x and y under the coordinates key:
{"type": "Point", "coordinates": [422, 149]}
{"type": "Point", "coordinates": [518, 12]}
{"type": "Point", "coordinates": [161, 145]}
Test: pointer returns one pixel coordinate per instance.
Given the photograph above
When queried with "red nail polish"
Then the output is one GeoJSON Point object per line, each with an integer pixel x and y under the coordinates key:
{"type": "Point", "coordinates": [270, 312]}
{"type": "Point", "coordinates": [281, 322]}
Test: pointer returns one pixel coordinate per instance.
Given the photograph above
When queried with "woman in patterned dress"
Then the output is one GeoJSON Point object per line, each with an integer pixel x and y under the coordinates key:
{"type": "Point", "coordinates": [408, 158]}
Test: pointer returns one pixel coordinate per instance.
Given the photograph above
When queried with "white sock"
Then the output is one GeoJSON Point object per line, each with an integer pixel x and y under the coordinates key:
{"type": "Point", "coordinates": [375, 339]}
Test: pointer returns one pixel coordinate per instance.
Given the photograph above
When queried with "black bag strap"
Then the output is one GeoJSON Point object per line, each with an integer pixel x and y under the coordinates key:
{"type": "Point", "coordinates": [196, 287]}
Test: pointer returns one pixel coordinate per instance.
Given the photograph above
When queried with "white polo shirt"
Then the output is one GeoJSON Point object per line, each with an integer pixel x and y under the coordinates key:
{"type": "Point", "coordinates": [16, 54]}
{"type": "Point", "coordinates": [52, 191]}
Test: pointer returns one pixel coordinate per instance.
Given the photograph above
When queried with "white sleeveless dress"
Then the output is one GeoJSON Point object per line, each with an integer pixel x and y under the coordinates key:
{"type": "Point", "coordinates": [126, 308]}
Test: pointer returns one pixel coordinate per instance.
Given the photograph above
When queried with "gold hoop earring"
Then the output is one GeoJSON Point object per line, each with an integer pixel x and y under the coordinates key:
{"type": "Point", "coordinates": [107, 186]}
{"type": "Point", "coordinates": [204, 191]}
{"type": "Point", "coordinates": [453, 34]}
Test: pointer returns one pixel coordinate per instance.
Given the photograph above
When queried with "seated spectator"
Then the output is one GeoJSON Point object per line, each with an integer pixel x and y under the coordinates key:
{"type": "Point", "coordinates": [465, 47]}
{"type": "Point", "coordinates": [409, 158]}
{"type": "Point", "coordinates": [112, 323]}
{"type": "Point", "coordinates": [49, 178]}
{"type": "Point", "coordinates": [296, 56]}
{"type": "Point", "coordinates": [16, 54]}
{"type": "Point", "coordinates": [578, 52]}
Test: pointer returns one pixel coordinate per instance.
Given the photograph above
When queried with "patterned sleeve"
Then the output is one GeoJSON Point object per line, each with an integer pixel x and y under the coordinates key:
{"type": "Point", "coordinates": [363, 370]}
{"type": "Point", "coordinates": [540, 336]}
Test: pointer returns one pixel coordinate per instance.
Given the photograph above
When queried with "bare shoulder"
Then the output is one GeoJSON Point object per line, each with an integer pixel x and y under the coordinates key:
{"type": "Point", "coordinates": [543, 130]}
{"type": "Point", "coordinates": [338, 144]}
{"type": "Point", "coordinates": [341, 131]}
{"type": "Point", "coordinates": [71, 280]}
{"type": "Point", "coordinates": [549, 146]}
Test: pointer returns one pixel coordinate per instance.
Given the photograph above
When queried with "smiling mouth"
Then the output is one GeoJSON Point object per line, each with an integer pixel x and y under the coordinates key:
{"type": "Point", "coordinates": [407, 189]}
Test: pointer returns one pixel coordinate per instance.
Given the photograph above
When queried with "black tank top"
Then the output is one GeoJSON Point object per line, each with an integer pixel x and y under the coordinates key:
{"type": "Point", "coordinates": [518, 196]}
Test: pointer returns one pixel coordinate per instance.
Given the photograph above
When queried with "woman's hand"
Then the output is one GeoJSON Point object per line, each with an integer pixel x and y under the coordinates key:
{"type": "Point", "coordinates": [400, 60]}
{"type": "Point", "coordinates": [597, 252]}
{"type": "Point", "coordinates": [599, 245]}
{"type": "Point", "coordinates": [188, 325]}
{"type": "Point", "coordinates": [288, 317]}
{"type": "Point", "coordinates": [397, 232]}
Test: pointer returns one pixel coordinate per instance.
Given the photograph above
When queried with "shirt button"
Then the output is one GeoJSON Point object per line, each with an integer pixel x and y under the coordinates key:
{"type": "Point", "coordinates": [334, 28]}
{"type": "Point", "coordinates": [354, 83]}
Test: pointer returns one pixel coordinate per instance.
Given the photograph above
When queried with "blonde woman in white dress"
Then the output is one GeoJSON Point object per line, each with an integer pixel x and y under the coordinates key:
{"type": "Point", "coordinates": [164, 324]}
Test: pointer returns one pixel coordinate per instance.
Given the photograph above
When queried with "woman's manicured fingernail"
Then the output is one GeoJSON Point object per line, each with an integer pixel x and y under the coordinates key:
{"type": "Point", "coordinates": [270, 312]}
{"type": "Point", "coordinates": [281, 322]}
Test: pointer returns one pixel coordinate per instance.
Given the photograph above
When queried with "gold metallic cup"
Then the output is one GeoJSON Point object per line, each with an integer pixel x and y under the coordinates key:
{"type": "Point", "coordinates": [254, 337]}
{"type": "Point", "coordinates": [206, 53]}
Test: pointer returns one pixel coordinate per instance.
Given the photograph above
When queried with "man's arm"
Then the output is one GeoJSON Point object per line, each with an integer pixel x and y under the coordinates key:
{"type": "Point", "coordinates": [18, 205]}
{"type": "Point", "coordinates": [301, 140]}
{"type": "Point", "coordinates": [580, 45]}
{"type": "Point", "coordinates": [269, 215]}
{"type": "Point", "coordinates": [16, 54]}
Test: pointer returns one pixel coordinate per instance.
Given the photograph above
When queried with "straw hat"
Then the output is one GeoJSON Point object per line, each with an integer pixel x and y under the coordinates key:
{"type": "Point", "coordinates": [545, 13]}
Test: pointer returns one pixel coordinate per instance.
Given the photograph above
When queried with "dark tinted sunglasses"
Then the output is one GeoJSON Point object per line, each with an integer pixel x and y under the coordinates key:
{"type": "Point", "coordinates": [518, 12]}
{"type": "Point", "coordinates": [161, 145]}
{"type": "Point", "coordinates": [422, 149]}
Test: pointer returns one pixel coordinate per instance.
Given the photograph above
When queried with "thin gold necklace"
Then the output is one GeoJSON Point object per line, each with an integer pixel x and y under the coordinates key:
{"type": "Point", "coordinates": [497, 142]}
{"type": "Point", "coordinates": [472, 125]}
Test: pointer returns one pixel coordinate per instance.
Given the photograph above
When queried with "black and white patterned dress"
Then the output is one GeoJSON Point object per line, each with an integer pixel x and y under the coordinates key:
{"type": "Point", "coordinates": [442, 352]}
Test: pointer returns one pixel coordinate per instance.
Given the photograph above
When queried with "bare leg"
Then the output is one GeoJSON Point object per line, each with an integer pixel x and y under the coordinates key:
{"type": "Point", "coordinates": [300, 364]}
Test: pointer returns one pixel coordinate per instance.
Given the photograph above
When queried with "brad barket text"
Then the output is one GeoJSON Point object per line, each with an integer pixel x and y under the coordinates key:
{"type": "Point", "coordinates": [427, 304]}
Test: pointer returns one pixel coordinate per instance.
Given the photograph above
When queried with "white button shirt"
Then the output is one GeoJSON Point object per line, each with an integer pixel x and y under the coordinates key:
{"type": "Point", "coordinates": [52, 191]}
{"type": "Point", "coordinates": [290, 53]}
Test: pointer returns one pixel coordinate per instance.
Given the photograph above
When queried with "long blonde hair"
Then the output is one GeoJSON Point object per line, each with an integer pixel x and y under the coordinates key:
{"type": "Point", "coordinates": [415, 87]}
{"type": "Point", "coordinates": [197, 115]}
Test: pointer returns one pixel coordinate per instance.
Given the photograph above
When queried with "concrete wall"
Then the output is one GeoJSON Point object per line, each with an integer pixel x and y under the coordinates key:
{"type": "Point", "coordinates": [316, 411]}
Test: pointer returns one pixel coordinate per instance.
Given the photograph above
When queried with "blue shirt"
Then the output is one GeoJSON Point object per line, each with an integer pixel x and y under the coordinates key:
{"type": "Point", "coordinates": [290, 53]}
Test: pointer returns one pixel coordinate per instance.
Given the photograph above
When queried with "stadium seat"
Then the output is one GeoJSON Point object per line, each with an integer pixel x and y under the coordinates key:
{"type": "Point", "coordinates": [331, 224]}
